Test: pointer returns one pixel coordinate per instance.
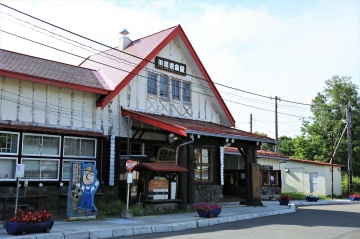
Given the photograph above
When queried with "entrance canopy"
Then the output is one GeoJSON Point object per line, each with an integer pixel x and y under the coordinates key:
{"type": "Point", "coordinates": [184, 127]}
{"type": "Point", "coordinates": [160, 167]}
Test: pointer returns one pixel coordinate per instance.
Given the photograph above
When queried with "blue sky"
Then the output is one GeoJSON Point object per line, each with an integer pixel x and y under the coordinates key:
{"type": "Point", "coordinates": [283, 48]}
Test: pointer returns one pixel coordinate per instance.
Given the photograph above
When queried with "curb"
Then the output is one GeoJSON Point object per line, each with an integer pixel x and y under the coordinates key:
{"type": "Point", "coordinates": [127, 230]}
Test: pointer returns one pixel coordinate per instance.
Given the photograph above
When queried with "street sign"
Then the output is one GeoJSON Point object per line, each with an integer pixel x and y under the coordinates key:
{"type": "Point", "coordinates": [20, 170]}
{"type": "Point", "coordinates": [129, 165]}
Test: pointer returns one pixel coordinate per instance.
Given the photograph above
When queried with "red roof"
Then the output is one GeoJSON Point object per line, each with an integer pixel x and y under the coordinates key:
{"type": "Point", "coordinates": [160, 167]}
{"type": "Point", "coordinates": [48, 72]}
{"type": "Point", "coordinates": [184, 127]}
{"type": "Point", "coordinates": [122, 68]}
{"type": "Point", "coordinates": [313, 162]}
{"type": "Point", "coordinates": [264, 153]}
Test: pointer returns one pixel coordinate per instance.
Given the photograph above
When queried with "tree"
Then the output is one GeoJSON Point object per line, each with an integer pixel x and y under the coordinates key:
{"type": "Point", "coordinates": [320, 137]}
{"type": "Point", "coordinates": [286, 146]}
{"type": "Point", "coordinates": [265, 145]}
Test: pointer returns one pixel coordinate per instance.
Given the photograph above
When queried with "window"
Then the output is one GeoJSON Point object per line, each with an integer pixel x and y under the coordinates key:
{"type": "Point", "coordinates": [7, 168]}
{"type": "Point", "coordinates": [266, 178]}
{"type": "Point", "coordinates": [9, 143]}
{"type": "Point", "coordinates": [34, 144]}
{"type": "Point", "coordinates": [79, 147]}
{"type": "Point", "coordinates": [134, 148]}
{"type": "Point", "coordinates": [202, 165]}
{"type": "Point", "coordinates": [164, 86]}
{"type": "Point", "coordinates": [151, 84]}
{"type": "Point", "coordinates": [175, 90]}
{"type": "Point", "coordinates": [41, 169]}
{"type": "Point", "coordinates": [186, 92]}
{"type": "Point", "coordinates": [66, 167]}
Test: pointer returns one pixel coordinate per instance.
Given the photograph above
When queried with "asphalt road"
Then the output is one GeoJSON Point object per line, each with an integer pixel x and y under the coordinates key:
{"type": "Point", "coordinates": [318, 222]}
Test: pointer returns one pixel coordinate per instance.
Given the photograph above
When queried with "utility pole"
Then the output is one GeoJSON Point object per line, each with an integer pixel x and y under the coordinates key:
{"type": "Point", "coordinates": [332, 161]}
{"type": "Point", "coordinates": [348, 118]}
{"type": "Point", "coordinates": [250, 123]}
{"type": "Point", "coordinates": [276, 126]}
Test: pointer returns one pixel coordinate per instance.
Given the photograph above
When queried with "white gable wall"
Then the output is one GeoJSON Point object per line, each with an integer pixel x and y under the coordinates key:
{"type": "Point", "coordinates": [135, 97]}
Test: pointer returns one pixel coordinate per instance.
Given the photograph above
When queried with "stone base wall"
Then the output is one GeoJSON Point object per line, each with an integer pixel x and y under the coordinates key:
{"type": "Point", "coordinates": [51, 201]}
{"type": "Point", "coordinates": [208, 193]}
{"type": "Point", "coordinates": [267, 192]}
{"type": "Point", "coordinates": [162, 207]}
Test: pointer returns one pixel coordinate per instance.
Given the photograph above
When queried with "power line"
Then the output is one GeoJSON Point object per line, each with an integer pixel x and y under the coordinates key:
{"type": "Point", "coordinates": [93, 50]}
{"type": "Point", "coordinates": [233, 88]}
{"type": "Point", "coordinates": [73, 54]}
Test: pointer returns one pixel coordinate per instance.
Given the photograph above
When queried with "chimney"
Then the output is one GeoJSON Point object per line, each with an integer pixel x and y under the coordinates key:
{"type": "Point", "coordinates": [124, 40]}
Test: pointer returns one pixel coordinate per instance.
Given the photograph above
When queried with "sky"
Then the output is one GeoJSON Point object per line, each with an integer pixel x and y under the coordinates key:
{"type": "Point", "coordinates": [253, 50]}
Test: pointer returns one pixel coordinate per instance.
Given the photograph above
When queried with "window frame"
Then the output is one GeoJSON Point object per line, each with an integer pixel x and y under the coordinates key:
{"type": "Point", "coordinates": [79, 156]}
{"type": "Point", "coordinates": [151, 84]}
{"type": "Point", "coordinates": [2, 174]}
{"type": "Point", "coordinates": [268, 173]}
{"type": "Point", "coordinates": [42, 143]}
{"type": "Point", "coordinates": [175, 89]}
{"type": "Point", "coordinates": [201, 164]}
{"type": "Point", "coordinates": [18, 142]}
{"type": "Point", "coordinates": [186, 92]}
{"type": "Point", "coordinates": [164, 86]}
{"type": "Point", "coordinates": [39, 178]}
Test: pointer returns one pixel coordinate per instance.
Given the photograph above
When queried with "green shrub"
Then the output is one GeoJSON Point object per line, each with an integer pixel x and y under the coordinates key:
{"type": "Point", "coordinates": [345, 184]}
{"type": "Point", "coordinates": [110, 209]}
{"type": "Point", "coordinates": [138, 211]}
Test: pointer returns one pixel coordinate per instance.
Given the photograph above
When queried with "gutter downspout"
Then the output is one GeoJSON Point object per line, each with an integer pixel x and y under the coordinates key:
{"type": "Point", "coordinates": [180, 145]}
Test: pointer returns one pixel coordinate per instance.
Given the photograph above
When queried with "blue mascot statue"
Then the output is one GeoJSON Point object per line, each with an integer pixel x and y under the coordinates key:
{"type": "Point", "coordinates": [90, 184]}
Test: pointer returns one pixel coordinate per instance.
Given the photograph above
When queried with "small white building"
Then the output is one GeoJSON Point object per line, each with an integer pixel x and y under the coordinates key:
{"type": "Point", "coordinates": [280, 173]}
{"type": "Point", "coordinates": [309, 176]}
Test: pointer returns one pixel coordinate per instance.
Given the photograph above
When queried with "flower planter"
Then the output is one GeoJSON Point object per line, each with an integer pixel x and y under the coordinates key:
{"type": "Point", "coordinates": [209, 213]}
{"type": "Point", "coordinates": [354, 198]}
{"type": "Point", "coordinates": [311, 199]}
{"type": "Point", "coordinates": [15, 228]}
{"type": "Point", "coordinates": [284, 202]}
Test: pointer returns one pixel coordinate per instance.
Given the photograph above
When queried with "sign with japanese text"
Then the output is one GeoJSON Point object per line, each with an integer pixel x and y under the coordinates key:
{"type": "Point", "coordinates": [169, 65]}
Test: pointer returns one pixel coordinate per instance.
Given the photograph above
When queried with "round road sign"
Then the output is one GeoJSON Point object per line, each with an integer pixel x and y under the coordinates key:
{"type": "Point", "coordinates": [129, 165]}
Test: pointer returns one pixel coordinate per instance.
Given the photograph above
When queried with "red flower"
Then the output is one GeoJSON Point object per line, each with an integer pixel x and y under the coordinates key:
{"type": "Point", "coordinates": [285, 197]}
{"type": "Point", "coordinates": [31, 217]}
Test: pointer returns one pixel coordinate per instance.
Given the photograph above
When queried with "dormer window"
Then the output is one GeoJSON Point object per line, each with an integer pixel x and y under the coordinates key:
{"type": "Point", "coordinates": [159, 85]}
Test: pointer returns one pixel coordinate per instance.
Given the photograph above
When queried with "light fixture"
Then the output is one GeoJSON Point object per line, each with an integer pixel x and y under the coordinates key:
{"type": "Point", "coordinates": [61, 184]}
{"type": "Point", "coordinates": [227, 140]}
{"type": "Point", "coordinates": [40, 185]}
{"type": "Point", "coordinates": [198, 136]}
{"type": "Point", "coordinates": [172, 138]}
{"type": "Point", "coordinates": [232, 140]}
